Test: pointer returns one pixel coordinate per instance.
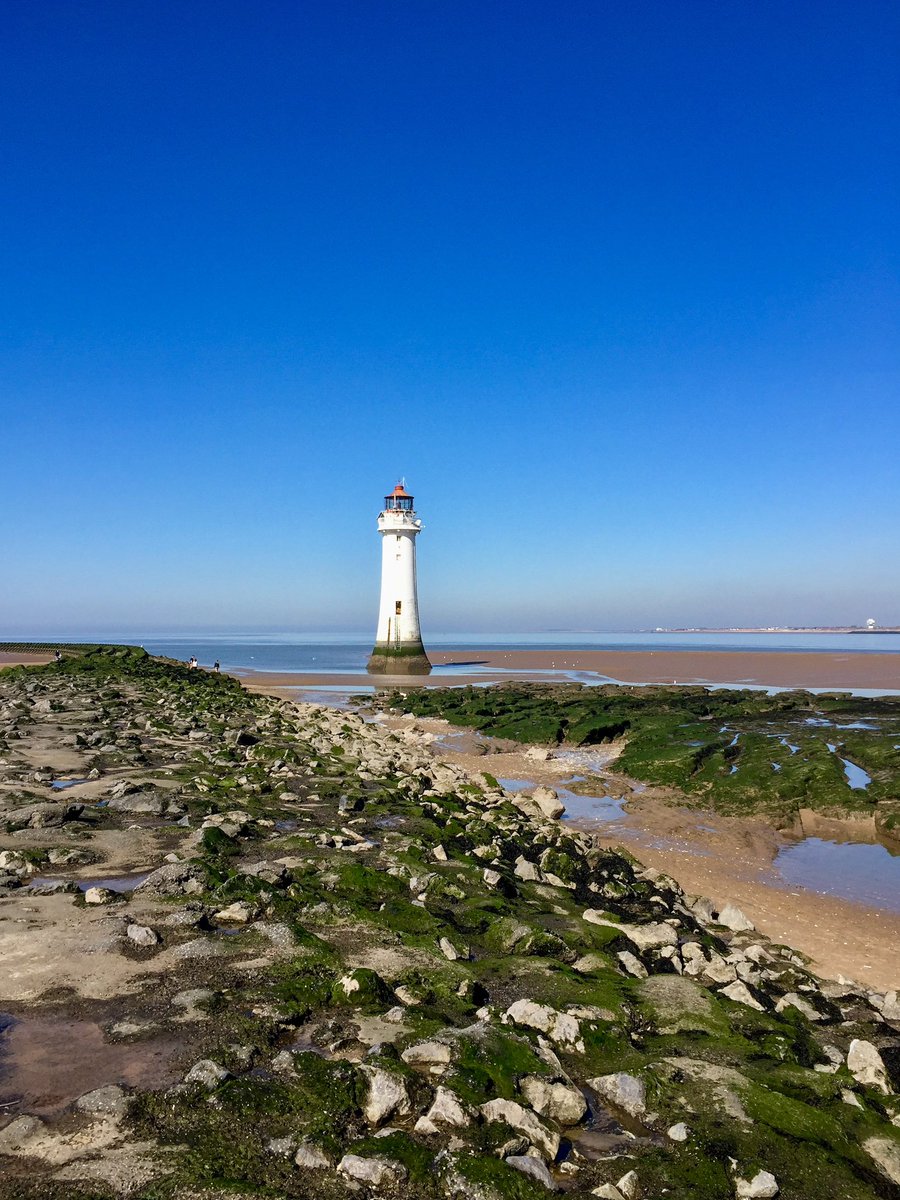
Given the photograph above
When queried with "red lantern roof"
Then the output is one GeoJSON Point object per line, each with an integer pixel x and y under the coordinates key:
{"type": "Point", "coordinates": [400, 492]}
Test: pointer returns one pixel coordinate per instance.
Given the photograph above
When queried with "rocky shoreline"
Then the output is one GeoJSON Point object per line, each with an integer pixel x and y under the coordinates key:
{"type": "Point", "coordinates": [359, 970]}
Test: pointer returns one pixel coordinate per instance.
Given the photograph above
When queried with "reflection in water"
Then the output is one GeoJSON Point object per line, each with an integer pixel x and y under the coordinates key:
{"type": "Point", "coordinates": [869, 874]}
{"type": "Point", "coordinates": [857, 778]}
{"type": "Point", "coordinates": [47, 1062]}
{"type": "Point", "coordinates": [594, 808]}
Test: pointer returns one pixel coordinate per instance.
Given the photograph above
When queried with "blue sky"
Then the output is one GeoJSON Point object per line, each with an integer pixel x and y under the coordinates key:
{"type": "Point", "coordinates": [613, 285]}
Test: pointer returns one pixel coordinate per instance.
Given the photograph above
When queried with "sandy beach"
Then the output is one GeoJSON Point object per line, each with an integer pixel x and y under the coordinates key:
{"type": "Point", "coordinates": [808, 669]}
{"type": "Point", "coordinates": [9, 658]}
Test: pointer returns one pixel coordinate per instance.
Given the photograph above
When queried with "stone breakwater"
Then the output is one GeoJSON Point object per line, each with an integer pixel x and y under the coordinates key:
{"type": "Point", "coordinates": [375, 974]}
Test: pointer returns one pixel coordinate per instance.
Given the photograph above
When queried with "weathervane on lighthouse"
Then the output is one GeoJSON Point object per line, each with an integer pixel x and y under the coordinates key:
{"type": "Point", "coordinates": [398, 642]}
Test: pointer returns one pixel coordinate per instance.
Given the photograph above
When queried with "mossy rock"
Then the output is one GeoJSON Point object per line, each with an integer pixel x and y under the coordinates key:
{"type": "Point", "coordinates": [485, 1177]}
{"type": "Point", "coordinates": [490, 1063]}
{"type": "Point", "coordinates": [677, 1005]}
{"type": "Point", "coordinates": [362, 988]}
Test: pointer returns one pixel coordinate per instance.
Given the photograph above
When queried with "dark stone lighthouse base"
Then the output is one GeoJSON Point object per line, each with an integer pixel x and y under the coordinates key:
{"type": "Point", "coordinates": [409, 658]}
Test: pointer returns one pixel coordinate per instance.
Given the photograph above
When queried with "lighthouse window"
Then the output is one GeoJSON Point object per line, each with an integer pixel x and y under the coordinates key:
{"type": "Point", "coordinates": [397, 607]}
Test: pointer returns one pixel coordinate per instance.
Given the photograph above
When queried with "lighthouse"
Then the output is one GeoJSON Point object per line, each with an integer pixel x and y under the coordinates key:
{"type": "Point", "coordinates": [398, 642]}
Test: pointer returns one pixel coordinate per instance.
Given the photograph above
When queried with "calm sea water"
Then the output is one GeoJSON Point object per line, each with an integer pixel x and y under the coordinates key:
{"type": "Point", "coordinates": [342, 653]}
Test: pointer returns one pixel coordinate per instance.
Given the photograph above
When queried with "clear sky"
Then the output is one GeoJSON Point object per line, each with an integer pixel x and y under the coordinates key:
{"type": "Point", "coordinates": [614, 285]}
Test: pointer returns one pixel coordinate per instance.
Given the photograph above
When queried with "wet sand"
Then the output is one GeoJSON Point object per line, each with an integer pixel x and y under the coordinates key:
{"type": "Point", "coordinates": [778, 668]}
{"type": "Point", "coordinates": [787, 669]}
{"type": "Point", "coordinates": [724, 858]}
{"type": "Point", "coordinates": [23, 658]}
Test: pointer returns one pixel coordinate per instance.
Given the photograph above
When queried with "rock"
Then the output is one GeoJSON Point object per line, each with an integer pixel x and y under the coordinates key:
{"type": "Point", "coordinates": [732, 918]}
{"type": "Point", "coordinates": [533, 1167]}
{"type": "Point", "coordinates": [109, 1101]}
{"type": "Point", "coordinates": [890, 1009]}
{"type": "Point", "coordinates": [446, 1110]}
{"type": "Point", "coordinates": [646, 937]}
{"type": "Point", "coordinates": [207, 1073]}
{"type": "Point", "coordinates": [527, 870]}
{"type": "Point", "coordinates": [149, 804]}
{"type": "Point", "coordinates": [629, 1186]}
{"type": "Point", "coordinates": [678, 1132]}
{"type": "Point", "coordinates": [427, 1054]}
{"type": "Point", "coordinates": [632, 964]}
{"type": "Point", "coordinates": [199, 948]}
{"type": "Point", "coordinates": [310, 1157]}
{"type": "Point", "coordinates": [556, 1101]}
{"type": "Point", "coordinates": [885, 1152]}
{"type": "Point", "coordinates": [42, 816]}
{"type": "Point", "coordinates": [538, 754]}
{"type": "Point", "coordinates": [802, 1005]}
{"type": "Point", "coordinates": [560, 1027]}
{"type": "Point", "coordinates": [13, 862]}
{"type": "Point", "coordinates": [608, 1191]}
{"type": "Point", "coordinates": [762, 1186]}
{"type": "Point", "coordinates": [623, 1091]}
{"type": "Point", "coordinates": [866, 1065]}
{"type": "Point", "coordinates": [16, 1136]}
{"type": "Point", "coordinates": [377, 1172]}
{"type": "Point", "coordinates": [387, 1095]}
{"type": "Point", "coordinates": [99, 895]}
{"type": "Point", "coordinates": [741, 994]}
{"type": "Point", "coordinates": [174, 879]}
{"type": "Point", "coordinates": [190, 1000]}
{"type": "Point", "coordinates": [491, 878]}
{"type": "Point", "coordinates": [451, 952]}
{"type": "Point", "coordinates": [238, 913]}
{"type": "Point", "coordinates": [283, 1063]}
{"type": "Point", "coordinates": [283, 1147]}
{"type": "Point", "coordinates": [523, 1121]}
{"type": "Point", "coordinates": [142, 935]}
{"type": "Point", "coordinates": [547, 802]}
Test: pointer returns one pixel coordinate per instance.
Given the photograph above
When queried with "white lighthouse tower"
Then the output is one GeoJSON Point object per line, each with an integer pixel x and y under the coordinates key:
{"type": "Point", "coordinates": [398, 643]}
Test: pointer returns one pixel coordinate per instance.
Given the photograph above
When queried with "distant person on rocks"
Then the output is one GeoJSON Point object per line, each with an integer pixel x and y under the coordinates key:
{"type": "Point", "coordinates": [216, 666]}
{"type": "Point", "coordinates": [193, 662]}
{"type": "Point", "coordinates": [58, 655]}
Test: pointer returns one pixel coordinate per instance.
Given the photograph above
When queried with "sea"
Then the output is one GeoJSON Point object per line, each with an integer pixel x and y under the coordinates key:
{"type": "Point", "coordinates": [347, 653]}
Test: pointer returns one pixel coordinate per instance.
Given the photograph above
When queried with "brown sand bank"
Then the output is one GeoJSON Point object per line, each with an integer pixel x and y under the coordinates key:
{"type": "Point", "coordinates": [808, 669]}
{"type": "Point", "coordinates": [774, 668]}
{"type": "Point", "coordinates": [15, 658]}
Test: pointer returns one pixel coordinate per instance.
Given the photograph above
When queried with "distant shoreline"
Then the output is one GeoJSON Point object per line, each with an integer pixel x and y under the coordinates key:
{"type": "Point", "coordinates": [786, 629]}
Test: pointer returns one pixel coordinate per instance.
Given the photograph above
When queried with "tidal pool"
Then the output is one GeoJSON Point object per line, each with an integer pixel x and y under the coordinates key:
{"type": "Point", "coordinates": [857, 778]}
{"type": "Point", "coordinates": [866, 873]}
{"type": "Point", "coordinates": [46, 1062]}
{"type": "Point", "coordinates": [595, 808]}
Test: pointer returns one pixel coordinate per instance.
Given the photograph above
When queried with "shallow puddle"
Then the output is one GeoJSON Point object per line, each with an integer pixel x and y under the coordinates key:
{"type": "Point", "coordinates": [48, 1062]}
{"type": "Point", "coordinates": [594, 808]}
{"type": "Point", "coordinates": [866, 873]}
{"type": "Point", "coordinates": [857, 778]}
{"type": "Point", "coordinates": [114, 883]}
